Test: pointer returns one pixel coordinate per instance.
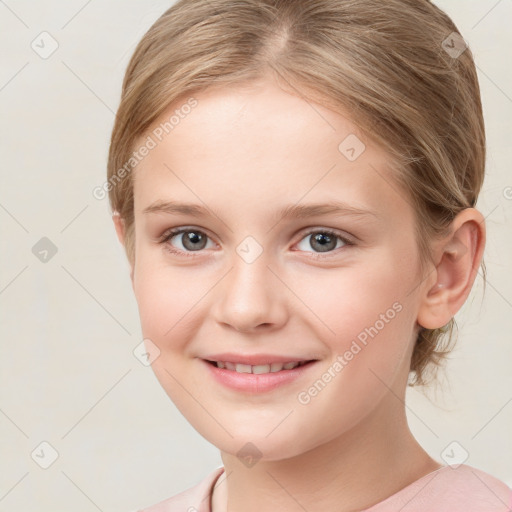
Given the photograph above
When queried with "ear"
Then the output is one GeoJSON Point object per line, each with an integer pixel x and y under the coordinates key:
{"type": "Point", "coordinates": [459, 256]}
{"type": "Point", "coordinates": [120, 230]}
{"type": "Point", "coordinates": [119, 225]}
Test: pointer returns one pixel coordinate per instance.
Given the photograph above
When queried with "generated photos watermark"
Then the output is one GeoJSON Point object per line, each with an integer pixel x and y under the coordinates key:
{"type": "Point", "coordinates": [305, 396]}
{"type": "Point", "coordinates": [151, 142]}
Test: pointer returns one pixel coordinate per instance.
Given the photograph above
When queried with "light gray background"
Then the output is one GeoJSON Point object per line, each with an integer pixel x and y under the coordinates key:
{"type": "Point", "coordinates": [69, 325]}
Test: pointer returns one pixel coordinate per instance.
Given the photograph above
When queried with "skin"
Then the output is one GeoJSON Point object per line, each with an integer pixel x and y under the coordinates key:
{"type": "Point", "coordinates": [246, 152]}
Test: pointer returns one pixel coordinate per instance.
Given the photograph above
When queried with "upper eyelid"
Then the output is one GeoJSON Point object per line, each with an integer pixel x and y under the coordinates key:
{"type": "Point", "coordinates": [172, 232]}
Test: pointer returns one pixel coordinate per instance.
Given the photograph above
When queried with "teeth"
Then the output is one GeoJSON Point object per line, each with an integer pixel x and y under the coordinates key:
{"type": "Point", "coordinates": [261, 368]}
{"type": "Point", "coordinates": [243, 368]}
{"type": "Point", "coordinates": [275, 367]}
{"type": "Point", "coordinates": [257, 369]}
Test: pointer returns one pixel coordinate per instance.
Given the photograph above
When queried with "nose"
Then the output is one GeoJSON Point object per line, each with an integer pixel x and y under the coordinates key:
{"type": "Point", "coordinates": [250, 297]}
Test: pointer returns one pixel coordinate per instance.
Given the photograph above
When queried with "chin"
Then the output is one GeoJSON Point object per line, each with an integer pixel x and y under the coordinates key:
{"type": "Point", "coordinates": [255, 442]}
{"type": "Point", "coordinates": [251, 450]}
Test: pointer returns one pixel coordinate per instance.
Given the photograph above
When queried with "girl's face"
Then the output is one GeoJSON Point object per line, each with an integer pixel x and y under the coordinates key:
{"type": "Point", "coordinates": [339, 287]}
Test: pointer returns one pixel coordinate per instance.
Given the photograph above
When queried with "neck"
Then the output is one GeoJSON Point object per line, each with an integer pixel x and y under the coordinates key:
{"type": "Point", "coordinates": [375, 459]}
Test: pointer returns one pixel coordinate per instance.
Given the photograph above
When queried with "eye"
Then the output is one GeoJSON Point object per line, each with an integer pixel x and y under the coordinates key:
{"type": "Point", "coordinates": [323, 241]}
{"type": "Point", "coordinates": [194, 240]}
{"type": "Point", "coordinates": [190, 239]}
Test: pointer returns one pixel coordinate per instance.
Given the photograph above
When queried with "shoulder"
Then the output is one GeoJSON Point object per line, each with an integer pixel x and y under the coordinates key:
{"type": "Point", "coordinates": [473, 490]}
{"type": "Point", "coordinates": [194, 499]}
{"type": "Point", "coordinates": [457, 488]}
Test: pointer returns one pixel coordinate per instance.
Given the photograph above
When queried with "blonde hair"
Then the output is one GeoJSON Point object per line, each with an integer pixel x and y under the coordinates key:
{"type": "Point", "coordinates": [384, 63]}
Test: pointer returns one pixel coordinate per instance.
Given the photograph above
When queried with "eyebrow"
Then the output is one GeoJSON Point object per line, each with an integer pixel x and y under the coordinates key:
{"type": "Point", "coordinates": [298, 211]}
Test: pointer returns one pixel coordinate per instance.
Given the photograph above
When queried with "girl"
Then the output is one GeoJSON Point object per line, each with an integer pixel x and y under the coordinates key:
{"type": "Point", "coordinates": [294, 182]}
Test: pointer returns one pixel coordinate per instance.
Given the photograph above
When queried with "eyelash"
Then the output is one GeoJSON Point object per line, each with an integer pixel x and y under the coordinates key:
{"type": "Point", "coordinates": [190, 254]}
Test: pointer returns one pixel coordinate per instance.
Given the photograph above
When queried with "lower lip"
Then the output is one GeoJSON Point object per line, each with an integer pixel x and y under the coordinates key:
{"type": "Point", "coordinates": [256, 382]}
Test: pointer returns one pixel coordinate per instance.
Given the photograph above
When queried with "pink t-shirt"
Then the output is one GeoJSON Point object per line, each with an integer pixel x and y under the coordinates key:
{"type": "Point", "coordinates": [459, 488]}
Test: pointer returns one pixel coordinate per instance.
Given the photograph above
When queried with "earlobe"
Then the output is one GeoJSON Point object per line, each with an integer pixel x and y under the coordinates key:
{"type": "Point", "coordinates": [458, 256]}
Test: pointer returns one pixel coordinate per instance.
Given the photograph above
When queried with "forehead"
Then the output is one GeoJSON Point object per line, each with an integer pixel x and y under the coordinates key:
{"type": "Point", "coordinates": [259, 146]}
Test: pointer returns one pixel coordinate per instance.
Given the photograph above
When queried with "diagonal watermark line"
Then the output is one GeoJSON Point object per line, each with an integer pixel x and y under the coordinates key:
{"type": "Point", "coordinates": [13, 13]}
{"type": "Point", "coordinates": [491, 212]}
{"type": "Point", "coordinates": [206, 206]}
{"type": "Point", "coordinates": [13, 279]}
{"type": "Point", "coordinates": [200, 404]}
{"type": "Point", "coordinates": [81, 491]}
{"type": "Point", "coordinates": [497, 497]}
{"type": "Point", "coordinates": [496, 290]}
{"type": "Point", "coordinates": [74, 218]}
{"type": "Point", "coordinates": [494, 83]}
{"type": "Point", "coordinates": [14, 76]}
{"type": "Point", "coordinates": [13, 423]}
{"type": "Point", "coordinates": [305, 194]}
{"type": "Point", "coordinates": [14, 486]}
{"type": "Point", "coordinates": [301, 300]}
{"type": "Point", "coordinates": [96, 404]}
{"type": "Point", "coordinates": [167, 166]}
{"type": "Point", "coordinates": [424, 278]}
{"type": "Point", "coordinates": [421, 282]}
{"type": "Point", "coordinates": [76, 14]}
{"type": "Point", "coordinates": [399, 398]}
{"type": "Point", "coordinates": [96, 300]}
{"type": "Point", "coordinates": [419, 490]}
{"type": "Point", "coordinates": [199, 300]}
{"type": "Point", "coordinates": [486, 14]}
{"type": "Point", "coordinates": [131, 45]}
{"type": "Point", "coordinates": [478, 432]}
{"type": "Point", "coordinates": [293, 410]}
{"type": "Point", "coordinates": [301, 96]}
{"type": "Point", "coordinates": [13, 217]}
{"type": "Point", "coordinates": [285, 490]}
{"type": "Point", "coordinates": [399, 193]}
{"type": "Point", "coordinates": [88, 87]}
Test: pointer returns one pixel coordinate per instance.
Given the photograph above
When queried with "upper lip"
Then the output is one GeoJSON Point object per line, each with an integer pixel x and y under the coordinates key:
{"type": "Point", "coordinates": [255, 359]}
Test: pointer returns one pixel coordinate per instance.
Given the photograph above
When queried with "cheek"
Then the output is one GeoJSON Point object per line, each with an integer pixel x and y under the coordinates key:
{"type": "Point", "coordinates": [373, 326]}
{"type": "Point", "coordinates": [366, 319]}
{"type": "Point", "coordinates": [359, 299]}
{"type": "Point", "coordinates": [165, 297]}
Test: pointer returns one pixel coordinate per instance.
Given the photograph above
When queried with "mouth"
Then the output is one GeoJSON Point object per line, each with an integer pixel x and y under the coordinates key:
{"type": "Point", "coordinates": [260, 368]}
{"type": "Point", "coordinates": [260, 378]}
